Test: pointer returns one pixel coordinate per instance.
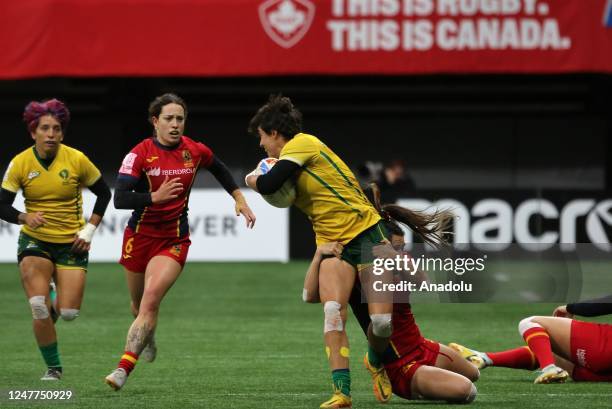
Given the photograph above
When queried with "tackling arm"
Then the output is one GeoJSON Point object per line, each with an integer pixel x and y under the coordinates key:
{"type": "Point", "coordinates": [310, 293]}
{"type": "Point", "coordinates": [591, 308]}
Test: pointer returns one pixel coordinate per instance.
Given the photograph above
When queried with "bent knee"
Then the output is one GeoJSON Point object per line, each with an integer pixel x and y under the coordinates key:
{"type": "Point", "coordinates": [463, 392]}
{"type": "Point", "coordinates": [470, 395]}
{"type": "Point", "coordinates": [528, 323]}
{"type": "Point", "coordinates": [474, 374]}
{"type": "Point", "coordinates": [69, 314]}
{"type": "Point", "coordinates": [381, 325]}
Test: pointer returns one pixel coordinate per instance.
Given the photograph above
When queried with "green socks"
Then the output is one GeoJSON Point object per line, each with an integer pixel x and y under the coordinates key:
{"type": "Point", "coordinates": [342, 381]}
{"type": "Point", "coordinates": [373, 358]}
{"type": "Point", "coordinates": [51, 355]}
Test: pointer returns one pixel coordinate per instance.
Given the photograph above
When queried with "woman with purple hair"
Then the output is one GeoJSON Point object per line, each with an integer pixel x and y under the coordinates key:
{"type": "Point", "coordinates": [54, 241]}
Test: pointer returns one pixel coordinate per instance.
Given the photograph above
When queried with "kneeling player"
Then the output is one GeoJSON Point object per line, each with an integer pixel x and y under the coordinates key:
{"type": "Point", "coordinates": [560, 346]}
{"type": "Point", "coordinates": [418, 368]}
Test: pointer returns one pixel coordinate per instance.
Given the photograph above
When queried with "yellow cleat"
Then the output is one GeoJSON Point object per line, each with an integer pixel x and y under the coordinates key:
{"type": "Point", "coordinates": [380, 381]}
{"type": "Point", "coordinates": [551, 374]}
{"type": "Point", "coordinates": [478, 359]}
{"type": "Point", "coordinates": [338, 400]}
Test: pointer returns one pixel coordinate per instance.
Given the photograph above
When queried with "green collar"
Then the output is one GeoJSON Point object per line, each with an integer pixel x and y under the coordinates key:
{"type": "Point", "coordinates": [45, 163]}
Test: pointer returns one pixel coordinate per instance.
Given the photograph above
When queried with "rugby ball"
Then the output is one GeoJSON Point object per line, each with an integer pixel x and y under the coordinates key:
{"type": "Point", "coordinates": [283, 197]}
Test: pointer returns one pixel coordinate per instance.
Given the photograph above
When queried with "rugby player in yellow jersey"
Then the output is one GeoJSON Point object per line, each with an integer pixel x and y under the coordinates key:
{"type": "Point", "coordinates": [329, 194]}
{"type": "Point", "coordinates": [54, 240]}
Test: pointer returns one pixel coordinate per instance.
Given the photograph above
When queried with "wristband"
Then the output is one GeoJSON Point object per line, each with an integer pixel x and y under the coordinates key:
{"type": "Point", "coordinates": [87, 232]}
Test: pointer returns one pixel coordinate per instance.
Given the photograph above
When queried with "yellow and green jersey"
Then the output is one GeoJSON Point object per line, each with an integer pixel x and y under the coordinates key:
{"type": "Point", "coordinates": [328, 192]}
{"type": "Point", "coordinates": [54, 190]}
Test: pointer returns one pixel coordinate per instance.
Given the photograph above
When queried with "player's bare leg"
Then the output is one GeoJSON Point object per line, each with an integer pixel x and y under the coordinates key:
{"type": "Point", "coordinates": [434, 383]}
{"type": "Point", "coordinates": [70, 289]}
{"type": "Point", "coordinates": [136, 282]}
{"type": "Point", "coordinates": [336, 279]}
{"type": "Point", "coordinates": [36, 273]}
{"type": "Point", "coordinates": [160, 275]}
{"type": "Point", "coordinates": [451, 360]}
{"type": "Point", "coordinates": [380, 308]}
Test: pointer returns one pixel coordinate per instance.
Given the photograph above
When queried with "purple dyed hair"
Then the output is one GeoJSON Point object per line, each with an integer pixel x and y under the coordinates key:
{"type": "Point", "coordinates": [54, 107]}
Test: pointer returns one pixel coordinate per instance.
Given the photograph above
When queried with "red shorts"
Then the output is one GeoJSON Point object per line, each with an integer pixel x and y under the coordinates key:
{"type": "Point", "coordinates": [591, 346]}
{"type": "Point", "coordinates": [137, 250]}
{"type": "Point", "coordinates": [401, 371]}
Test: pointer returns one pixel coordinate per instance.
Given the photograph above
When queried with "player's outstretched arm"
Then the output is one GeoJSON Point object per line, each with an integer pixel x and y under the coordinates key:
{"type": "Point", "coordinates": [310, 294]}
{"type": "Point", "coordinates": [221, 172]}
{"type": "Point", "coordinates": [587, 308]}
{"type": "Point", "coordinates": [242, 208]}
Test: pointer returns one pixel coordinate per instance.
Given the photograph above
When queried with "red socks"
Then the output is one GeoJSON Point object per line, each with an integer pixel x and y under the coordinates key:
{"type": "Point", "coordinates": [518, 358]}
{"type": "Point", "coordinates": [539, 342]}
{"type": "Point", "coordinates": [128, 361]}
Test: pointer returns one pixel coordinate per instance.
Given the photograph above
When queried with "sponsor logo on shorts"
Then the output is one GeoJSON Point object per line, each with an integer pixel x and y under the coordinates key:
{"type": "Point", "coordinates": [581, 357]}
{"type": "Point", "coordinates": [176, 250]}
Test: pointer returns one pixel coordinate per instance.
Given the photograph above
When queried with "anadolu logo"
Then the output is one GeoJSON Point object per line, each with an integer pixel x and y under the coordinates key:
{"type": "Point", "coordinates": [607, 19]}
{"type": "Point", "coordinates": [286, 21]}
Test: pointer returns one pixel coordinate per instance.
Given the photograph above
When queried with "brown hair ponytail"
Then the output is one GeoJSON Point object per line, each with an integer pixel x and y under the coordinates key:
{"type": "Point", "coordinates": [431, 227]}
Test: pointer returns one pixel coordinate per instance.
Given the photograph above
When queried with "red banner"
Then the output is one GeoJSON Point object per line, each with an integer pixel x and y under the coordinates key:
{"type": "Point", "coordinates": [251, 37]}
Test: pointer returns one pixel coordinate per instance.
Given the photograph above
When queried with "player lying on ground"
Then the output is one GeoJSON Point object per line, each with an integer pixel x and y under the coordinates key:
{"type": "Point", "coordinates": [418, 368]}
{"type": "Point", "coordinates": [560, 346]}
{"type": "Point", "coordinates": [54, 241]}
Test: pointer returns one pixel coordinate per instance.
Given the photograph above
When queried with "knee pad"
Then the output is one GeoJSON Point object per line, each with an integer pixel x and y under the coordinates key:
{"type": "Point", "coordinates": [68, 314]}
{"type": "Point", "coordinates": [471, 395]}
{"type": "Point", "coordinates": [39, 307]}
{"type": "Point", "coordinates": [381, 325]}
{"type": "Point", "coordinates": [527, 324]}
{"type": "Point", "coordinates": [333, 319]}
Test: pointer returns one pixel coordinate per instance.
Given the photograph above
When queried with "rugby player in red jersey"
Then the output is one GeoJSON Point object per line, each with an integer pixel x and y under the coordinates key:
{"type": "Point", "coordinates": [155, 180]}
{"type": "Point", "coordinates": [418, 368]}
{"type": "Point", "coordinates": [559, 346]}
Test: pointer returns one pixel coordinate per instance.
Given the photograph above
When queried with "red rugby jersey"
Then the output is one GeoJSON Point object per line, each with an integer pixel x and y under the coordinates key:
{"type": "Point", "coordinates": [150, 162]}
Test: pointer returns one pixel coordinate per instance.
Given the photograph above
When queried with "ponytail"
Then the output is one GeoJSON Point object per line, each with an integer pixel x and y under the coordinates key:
{"type": "Point", "coordinates": [430, 227]}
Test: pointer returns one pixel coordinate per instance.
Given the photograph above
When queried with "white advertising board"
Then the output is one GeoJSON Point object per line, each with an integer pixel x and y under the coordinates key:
{"type": "Point", "coordinates": [216, 233]}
